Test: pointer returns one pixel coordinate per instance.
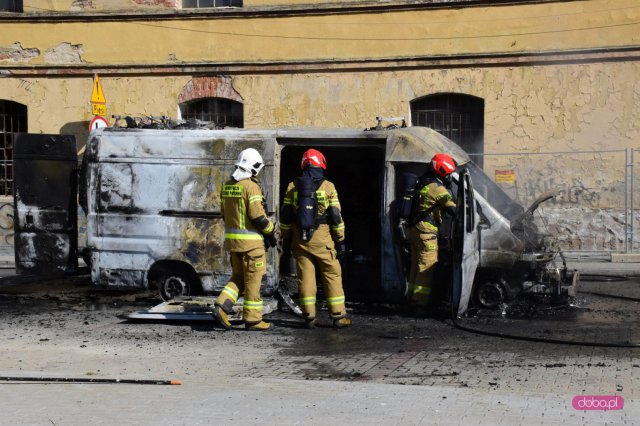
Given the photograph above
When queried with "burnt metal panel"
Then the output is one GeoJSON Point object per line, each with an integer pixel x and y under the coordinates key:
{"type": "Point", "coordinates": [413, 144]}
{"type": "Point", "coordinates": [45, 204]}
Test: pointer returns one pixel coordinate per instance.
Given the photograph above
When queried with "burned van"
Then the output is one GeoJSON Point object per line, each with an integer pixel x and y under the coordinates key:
{"type": "Point", "coordinates": [152, 199]}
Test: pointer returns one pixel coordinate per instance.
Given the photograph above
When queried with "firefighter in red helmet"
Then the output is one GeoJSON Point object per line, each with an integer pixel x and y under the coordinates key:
{"type": "Point", "coordinates": [313, 231]}
{"type": "Point", "coordinates": [433, 201]}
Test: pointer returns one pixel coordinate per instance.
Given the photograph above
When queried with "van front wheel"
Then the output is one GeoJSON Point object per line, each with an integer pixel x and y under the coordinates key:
{"type": "Point", "coordinates": [175, 284]}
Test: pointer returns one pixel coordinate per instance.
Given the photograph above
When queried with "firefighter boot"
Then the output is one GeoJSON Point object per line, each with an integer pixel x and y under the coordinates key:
{"type": "Point", "coordinates": [341, 322]}
{"type": "Point", "coordinates": [310, 323]}
{"type": "Point", "coordinates": [259, 326]}
{"type": "Point", "coordinates": [221, 313]}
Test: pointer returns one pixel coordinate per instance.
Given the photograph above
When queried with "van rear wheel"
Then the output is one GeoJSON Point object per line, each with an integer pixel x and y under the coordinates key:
{"type": "Point", "coordinates": [175, 284]}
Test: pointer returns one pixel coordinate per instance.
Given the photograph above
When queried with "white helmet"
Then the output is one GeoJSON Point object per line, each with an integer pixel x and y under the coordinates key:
{"type": "Point", "coordinates": [249, 164]}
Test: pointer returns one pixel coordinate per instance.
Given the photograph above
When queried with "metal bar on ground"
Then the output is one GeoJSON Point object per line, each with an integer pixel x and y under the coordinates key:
{"type": "Point", "coordinates": [88, 380]}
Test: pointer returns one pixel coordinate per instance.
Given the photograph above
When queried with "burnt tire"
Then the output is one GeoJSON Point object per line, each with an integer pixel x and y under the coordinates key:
{"type": "Point", "coordinates": [176, 284]}
{"type": "Point", "coordinates": [489, 295]}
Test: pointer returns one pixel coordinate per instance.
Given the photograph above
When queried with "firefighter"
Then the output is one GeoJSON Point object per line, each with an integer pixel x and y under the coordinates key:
{"type": "Point", "coordinates": [433, 200]}
{"type": "Point", "coordinates": [246, 227]}
{"type": "Point", "coordinates": [312, 230]}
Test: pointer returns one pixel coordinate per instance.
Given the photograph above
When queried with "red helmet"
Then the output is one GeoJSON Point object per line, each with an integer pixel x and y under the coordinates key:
{"type": "Point", "coordinates": [313, 158]}
{"type": "Point", "coordinates": [443, 165]}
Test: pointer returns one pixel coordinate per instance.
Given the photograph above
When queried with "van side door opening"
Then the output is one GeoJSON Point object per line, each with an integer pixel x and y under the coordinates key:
{"type": "Point", "coordinates": [358, 171]}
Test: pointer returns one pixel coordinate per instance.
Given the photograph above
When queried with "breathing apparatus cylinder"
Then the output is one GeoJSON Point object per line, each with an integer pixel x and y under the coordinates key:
{"type": "Point", "coordinates": [408, 184]}
{"type": "Point", "coordinates": [306, 217]}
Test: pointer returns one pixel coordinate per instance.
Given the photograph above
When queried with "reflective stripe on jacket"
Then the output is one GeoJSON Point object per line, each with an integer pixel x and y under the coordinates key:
{"type": "Point", "coordinates": [433, 199]}
{"type": "Point", "coordinates": [241, 203]}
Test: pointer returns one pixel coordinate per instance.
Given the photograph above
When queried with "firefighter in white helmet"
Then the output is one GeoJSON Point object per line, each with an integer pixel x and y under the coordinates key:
{"type": "Point", "coordinates": [246, 227]}
{"type": "Point", "coordinates": [433, 201]}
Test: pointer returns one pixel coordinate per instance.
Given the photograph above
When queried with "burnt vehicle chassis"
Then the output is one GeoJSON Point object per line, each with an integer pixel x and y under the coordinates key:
{"type": "Point", "coordinates": [171, 231]}
{"type": "Point", "coordinates": [539, 270]}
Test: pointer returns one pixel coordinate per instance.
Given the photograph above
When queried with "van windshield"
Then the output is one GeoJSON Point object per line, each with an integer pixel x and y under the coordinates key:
{"type": "Point", "coordinates": [493, 193]}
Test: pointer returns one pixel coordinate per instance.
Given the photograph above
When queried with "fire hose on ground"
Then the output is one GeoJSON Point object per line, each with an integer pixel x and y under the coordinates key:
{"type": "Point", "coordinates": [458, 325]}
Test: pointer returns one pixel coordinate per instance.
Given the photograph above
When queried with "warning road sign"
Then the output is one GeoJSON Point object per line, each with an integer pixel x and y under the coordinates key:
{"type": "Point", "coordinates": [97, 96]}
{"type": "Point", "coordinates": [98, 100]}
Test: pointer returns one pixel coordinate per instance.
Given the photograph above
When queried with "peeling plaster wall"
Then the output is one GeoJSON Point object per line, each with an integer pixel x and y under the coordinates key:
{"type": "Point", "coordinates": [15, 53]}
{"type": "Point", "coordinates": [481, 30]}
{"type": "Point", "coordinates": [40, 6]}
{"type": "Point", "coordinates": [583, 107]}
{"type": "Point", "coordinates": [64, 53]}
{"type": "Point", "coordinates": [526, 109]}
{"type": "Point", "coordinates": [106, 5]}
{"type": "Point", "coordinates": [62, 105]}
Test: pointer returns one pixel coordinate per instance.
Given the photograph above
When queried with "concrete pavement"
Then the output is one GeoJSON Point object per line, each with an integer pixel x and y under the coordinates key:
{"type": "Point", "coordinates": [387, 369]}
{"type": "Point", "coordinates": [244, 401]}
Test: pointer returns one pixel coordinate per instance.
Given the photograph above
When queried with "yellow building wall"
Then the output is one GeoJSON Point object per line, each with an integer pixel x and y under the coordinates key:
{"type": "Point", "coordinates": [353, 36]}
{"type": "Point", "coordinates": [540, 107]}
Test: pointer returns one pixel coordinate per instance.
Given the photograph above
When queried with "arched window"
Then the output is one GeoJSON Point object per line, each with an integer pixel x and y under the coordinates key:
{"type": "Point", "coordinates": [13, 119]}
{"type": "Point", "coordinates": [212, 99]}
{"type": "Point", "coordinates": [457, 116]}
{"type": "Point", "coordinates": [223, 112]}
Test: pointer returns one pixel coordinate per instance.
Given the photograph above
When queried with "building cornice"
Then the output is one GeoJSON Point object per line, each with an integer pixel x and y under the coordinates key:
{"type": "Point", "coordinates": [628, 53]}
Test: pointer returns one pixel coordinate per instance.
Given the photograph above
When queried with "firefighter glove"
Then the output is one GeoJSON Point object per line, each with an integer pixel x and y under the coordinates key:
{"type": "Point", "coordinates": [341, 247]}
{"type": "Point", "coordinates": [270, 241]}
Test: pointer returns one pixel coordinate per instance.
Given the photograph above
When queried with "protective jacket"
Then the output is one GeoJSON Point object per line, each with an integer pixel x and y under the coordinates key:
{"type": "Point", "coordinates": [330, 226]}
{"type": "Point", "coordinates": [318, 253]}
{"type": "Point", "coordinates": [433, 200]}
{"type": "Point", "coordinates": [244, 217]}
{"type": "Point", "coordinates": [245, 221]}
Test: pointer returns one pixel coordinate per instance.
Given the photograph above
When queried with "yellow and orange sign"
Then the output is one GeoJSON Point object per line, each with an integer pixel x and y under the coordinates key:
{"type": "Point", "coordinates": [505, 176]}
{"type": "Point", "coordinates": [98, 101]}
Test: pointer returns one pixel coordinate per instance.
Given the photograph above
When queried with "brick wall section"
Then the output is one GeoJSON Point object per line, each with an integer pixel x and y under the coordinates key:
{"type": "Point", "coordinates": [209, 87]}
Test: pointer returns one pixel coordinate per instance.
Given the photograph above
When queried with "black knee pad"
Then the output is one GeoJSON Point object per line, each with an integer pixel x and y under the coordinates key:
{"type": "Point", "coordinates": [227, 306]}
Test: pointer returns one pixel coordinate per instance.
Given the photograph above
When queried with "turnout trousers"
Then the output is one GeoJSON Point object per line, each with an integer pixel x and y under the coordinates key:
{"type": "Point", "coordinates": [323, 257]}
{"type": "Point", "coordinates": [248, 268]}
{"type": "Point", "coordinates": [424, 256]}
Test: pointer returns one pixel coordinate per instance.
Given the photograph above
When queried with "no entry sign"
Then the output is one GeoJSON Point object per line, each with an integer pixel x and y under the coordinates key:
{"type": "Point", "coordinates": [98, 122]}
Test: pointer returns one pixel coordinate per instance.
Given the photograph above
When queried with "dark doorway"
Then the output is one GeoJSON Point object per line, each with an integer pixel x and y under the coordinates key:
{"type": "Point", "coordinates": [457, 116]}
{"type": "Point", "coordinates": [358, 174]}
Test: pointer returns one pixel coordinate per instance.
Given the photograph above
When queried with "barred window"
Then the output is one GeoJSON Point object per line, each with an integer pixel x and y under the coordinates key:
{"type": "Point", "coordinates": [13, 119]}
{"type": "Point", "coordinates": [196, 4]}
{"type": "Point", "coordinates": [11, 6]}
{"type": "Point", "coordinates": [223, 112]}
{"type": "Point", "coordinates": [457, 116]}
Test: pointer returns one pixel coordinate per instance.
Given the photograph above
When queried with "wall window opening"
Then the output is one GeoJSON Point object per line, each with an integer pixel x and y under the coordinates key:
{"type": "Point", "coordinates": [11, 6]}
{"type": "Point", "coordinates": [223, 112]}
{"type": "Point", "coordinates": [457, 116]}
{"type": "Point", "coordinates": [13, 120]}
{"type": "Point", "coordinates": [197, 4]}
